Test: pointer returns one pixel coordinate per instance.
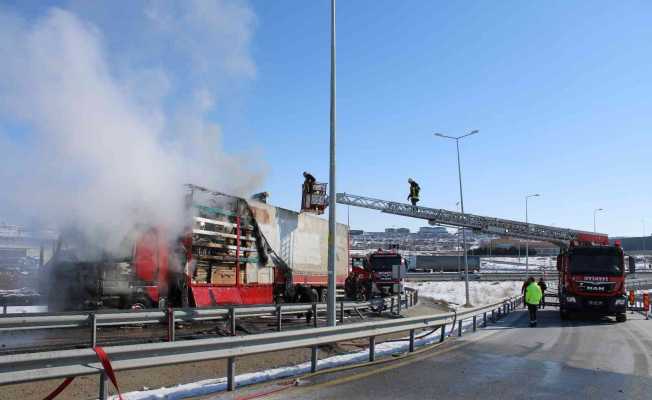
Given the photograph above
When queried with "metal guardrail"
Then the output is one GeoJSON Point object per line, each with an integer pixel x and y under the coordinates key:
{"type": "Point", "coordinates": [93, 320]}
{"type": "Point", "coordinates": [32, 367]}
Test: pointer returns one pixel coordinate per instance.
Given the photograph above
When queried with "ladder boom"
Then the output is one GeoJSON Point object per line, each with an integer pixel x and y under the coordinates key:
{"type": "Point", "coordinates": [496, 226]}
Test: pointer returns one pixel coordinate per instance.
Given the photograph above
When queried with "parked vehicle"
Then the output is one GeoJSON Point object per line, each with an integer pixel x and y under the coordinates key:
{"type": "Point", "coordinates": [379, 273]}
{"type": "Point", "coordinates": [592, 278]}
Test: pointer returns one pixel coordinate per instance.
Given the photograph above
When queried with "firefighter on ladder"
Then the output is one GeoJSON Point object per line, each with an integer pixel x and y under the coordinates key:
{"type": "Point", "coordinates": [414, 191]}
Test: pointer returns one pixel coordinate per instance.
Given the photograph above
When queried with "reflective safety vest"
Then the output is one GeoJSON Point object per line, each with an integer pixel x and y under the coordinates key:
{"type": "Point", "coordinates": [414, 191]}
{"type": "Point", "coordinates": [533, 294]}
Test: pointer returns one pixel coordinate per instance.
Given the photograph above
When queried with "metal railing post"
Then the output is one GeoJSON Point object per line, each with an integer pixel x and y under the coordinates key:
{"type": "Point", "coordinates": [484, 319]}
{"type": "Point", "coordinates": [442, 335]}
{"type": "Point", "coordinates": [314, 314]}
{"type": "Point", "coordinates": [230, 374]}
{"type": "Point", "coordinates": [391, 308]}
{"type": "Point", "coordinates": [341, 312]}
{"type": "Point", "coordinates": [411, 349]}
{"type": "Point", "coordinates": [398, 298]}
{"type": "Point", "coordinates": [93, 323]}
{"type": "Point", "coordinates": [4, 308]}
{"type": "Point", "coordinates": [493, 316]}
{"type": "Point", "coordinates": [104, 386]}
{"type": "Point", "coordinates": [372, 348]}
{"type": "Point", "coordinates": [475, 323]}
{"type": "Point", "coordinates": [232, 321]}
{"type": "Point", "coordinates": [279, 318]}
{"type": "Point", "coordinates": [314, 358]}
{"type": "Point", "coordinates": [171, 325]}
{"type": "Point", "coordinates": [459, 328]}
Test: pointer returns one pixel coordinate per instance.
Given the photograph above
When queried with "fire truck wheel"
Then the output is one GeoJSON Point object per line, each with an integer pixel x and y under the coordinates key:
{"type": "Point", "coordinates": [621, 317]}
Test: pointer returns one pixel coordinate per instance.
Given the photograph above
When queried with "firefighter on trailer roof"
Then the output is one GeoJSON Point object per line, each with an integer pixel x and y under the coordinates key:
{"type": "Point", "coordinates": [414, 192]}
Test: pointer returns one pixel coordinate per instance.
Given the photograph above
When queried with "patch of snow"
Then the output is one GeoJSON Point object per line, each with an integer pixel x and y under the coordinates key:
{"type": "Point", "coordinates": [209, 386]}
{"type": "Point", "coordinates": [453, 292]}
{"type": "Point", "coordinates": [26, 309]}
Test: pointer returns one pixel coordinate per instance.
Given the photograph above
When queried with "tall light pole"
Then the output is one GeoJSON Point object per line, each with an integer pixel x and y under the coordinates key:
{"type": "Point", "coordinates": [594, 214]}
{"type": "Point", "coordinates": [459, 256]}
{"type": "Point", "coordinates": [330, 306]}
{"type": "Point", "coordinates": [459, 174]}
{"type": "Point", "coordinates": [527, 240]}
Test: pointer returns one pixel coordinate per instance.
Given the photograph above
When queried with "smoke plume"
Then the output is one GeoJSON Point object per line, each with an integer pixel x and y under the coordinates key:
{"type": "Point", "coordinates": [101, 130]}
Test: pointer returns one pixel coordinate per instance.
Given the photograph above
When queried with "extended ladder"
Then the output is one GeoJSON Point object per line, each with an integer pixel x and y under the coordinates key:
{"type": "Point", "coordinates": [496, 226]}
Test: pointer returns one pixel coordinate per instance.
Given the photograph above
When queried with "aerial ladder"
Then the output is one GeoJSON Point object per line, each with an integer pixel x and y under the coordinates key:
{"type": "Point", "coordinates": [490, 225]}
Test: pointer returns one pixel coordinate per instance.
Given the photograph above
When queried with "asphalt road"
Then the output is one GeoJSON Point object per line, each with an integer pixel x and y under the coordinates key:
{"type": "Point", "coordinates": [594, 359]}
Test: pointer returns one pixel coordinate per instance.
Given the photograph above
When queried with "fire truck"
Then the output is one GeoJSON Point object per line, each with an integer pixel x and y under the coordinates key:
{"type": "Point", "coordinates": [379, 273]}
{"type": "Point", "coordinates": [592, 278]}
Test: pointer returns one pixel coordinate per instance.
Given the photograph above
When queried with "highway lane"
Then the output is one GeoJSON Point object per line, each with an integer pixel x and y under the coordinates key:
{"type": "Point", "coordinates": [594, 359]}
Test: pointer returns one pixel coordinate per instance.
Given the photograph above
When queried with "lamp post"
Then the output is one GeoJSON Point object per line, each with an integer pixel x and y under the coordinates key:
{"type": "Point", "coordinates": [527, 240]}
{"type": "Point", "coordinates": [330, 306]}
{"type": "Point", "coordinates": [594, 214]}
{"type": "Point", "coordinates": [459, 173]}
{"type": "Point", "coordinates": [459, 256]}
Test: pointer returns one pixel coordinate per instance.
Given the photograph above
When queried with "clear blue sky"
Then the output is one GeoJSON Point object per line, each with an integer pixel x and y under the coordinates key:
{"type": "Point", "coordinates": [560, 91]}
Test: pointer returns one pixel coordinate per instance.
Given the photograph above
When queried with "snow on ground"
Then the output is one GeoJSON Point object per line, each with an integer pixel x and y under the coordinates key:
{"type": "Point", "coordinates": [480, 293]}
{"type": "Point", "coordinates": [26, 309]}
{"type": "Point", "coordinates": [209, 386]}
{"type": "Point", "coordinates": [514, 263]}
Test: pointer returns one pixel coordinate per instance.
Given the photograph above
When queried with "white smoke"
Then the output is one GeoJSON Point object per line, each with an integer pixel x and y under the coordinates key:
{"type": "Point", "coordinates": [88, 138]}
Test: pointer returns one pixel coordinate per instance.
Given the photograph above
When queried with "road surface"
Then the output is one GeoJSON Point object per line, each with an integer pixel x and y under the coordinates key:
{"type": "Point", "coordinates": [595, 359]}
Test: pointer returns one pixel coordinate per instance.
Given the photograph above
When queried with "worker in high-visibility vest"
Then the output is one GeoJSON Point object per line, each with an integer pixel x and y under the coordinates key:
{"type": "Point", "coordinates": [414, 192]}
{"type": "Point", "coordinates": [533, 297]}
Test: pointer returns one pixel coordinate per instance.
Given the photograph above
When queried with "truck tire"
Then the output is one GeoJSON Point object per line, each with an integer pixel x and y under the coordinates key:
{"type": "Point", "coordinates": [621, 317]}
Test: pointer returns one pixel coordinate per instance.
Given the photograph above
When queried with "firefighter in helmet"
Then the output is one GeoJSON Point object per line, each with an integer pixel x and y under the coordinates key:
{"type": "Point", "coordinates": [414, 191]}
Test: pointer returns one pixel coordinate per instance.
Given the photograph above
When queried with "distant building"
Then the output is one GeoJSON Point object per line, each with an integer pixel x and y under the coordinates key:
{"type": "Point", "coordinates": [433, 230]}
{"type": "Point", "coordinates": [400, 231]}
{"type": "Point", "coordinates": [356, 232]}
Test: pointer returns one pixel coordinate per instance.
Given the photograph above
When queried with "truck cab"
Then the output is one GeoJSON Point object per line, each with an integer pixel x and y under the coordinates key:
{"type": "Point", "coordinates": [592, 281]}
{"type": "Point", "coordinates": [380, 273]}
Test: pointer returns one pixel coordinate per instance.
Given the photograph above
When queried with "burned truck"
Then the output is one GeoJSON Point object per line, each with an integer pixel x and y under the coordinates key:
{"type": "Point", "coordinates": [230, 251]}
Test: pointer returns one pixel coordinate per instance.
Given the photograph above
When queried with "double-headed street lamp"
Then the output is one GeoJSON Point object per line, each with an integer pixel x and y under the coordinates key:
{"type": "Point", "coordinates": [594, 214]}
{"type": "Point", "coordinates": [459, 173]}
{"type": "Point", "coordinates": [527, 240]}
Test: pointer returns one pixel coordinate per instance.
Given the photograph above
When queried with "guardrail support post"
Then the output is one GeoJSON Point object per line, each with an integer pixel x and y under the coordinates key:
{"type": "Point", "coordinates": [171, 325]}
{"type": "Point", "coordinates": [92, 319]}
{"type": "Point", "coordinates": [230, 374]}
{"type": "Point", "coordinates": [411, 341]}
{"type": "Point", "coordinates": [493, 316]}
{"type": "Point", "coordinates": [391, 307]}
{"type": "Point", "coordinates": [484, 319]}
{"type": "Point", "coordinates": [398, 298]}
{"type": "Point", "coordinates": [442, 335]}
{"type": "Point", "coordinates": [232, 320]}
{"type": "Point", "coordinates": [341, 312]}
{"type": "Point", "coordinates": [459, 328]}
{"type": "Point", "coordinates": [4, 308]}
{"type": "Point", "coordinates": [104, 386]}
{"type": "Point", "coordinates": [314, 314]}
{"type": "Point", "coordinates": [372, 348]}
{"type": "Point", "coordinates": [314, 357]}
{"type": "Point", "coordinates": [279, 318]}
{"type": "Point", "coordinates": [475, 323]}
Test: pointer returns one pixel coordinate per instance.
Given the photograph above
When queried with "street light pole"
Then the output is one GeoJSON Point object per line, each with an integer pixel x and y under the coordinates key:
{"type": "Point", "coordinates": [527, 240]}
{"type": "Point", "coordinates": [459, 256]}
{"type": "Point", "coordinates": [330, 306]}
{"type": "Point", "coordinates": [459, 174]}
{"type": "Point", "coordinates": [594, 213]}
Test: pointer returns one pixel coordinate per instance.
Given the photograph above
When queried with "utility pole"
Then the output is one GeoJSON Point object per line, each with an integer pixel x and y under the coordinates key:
{"type": "Point", "coordinates": [331, 305]}
{"type": "Point", "coordinates": [459, 174]}
{"type": "Point", "coordinates": [459, 255]}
